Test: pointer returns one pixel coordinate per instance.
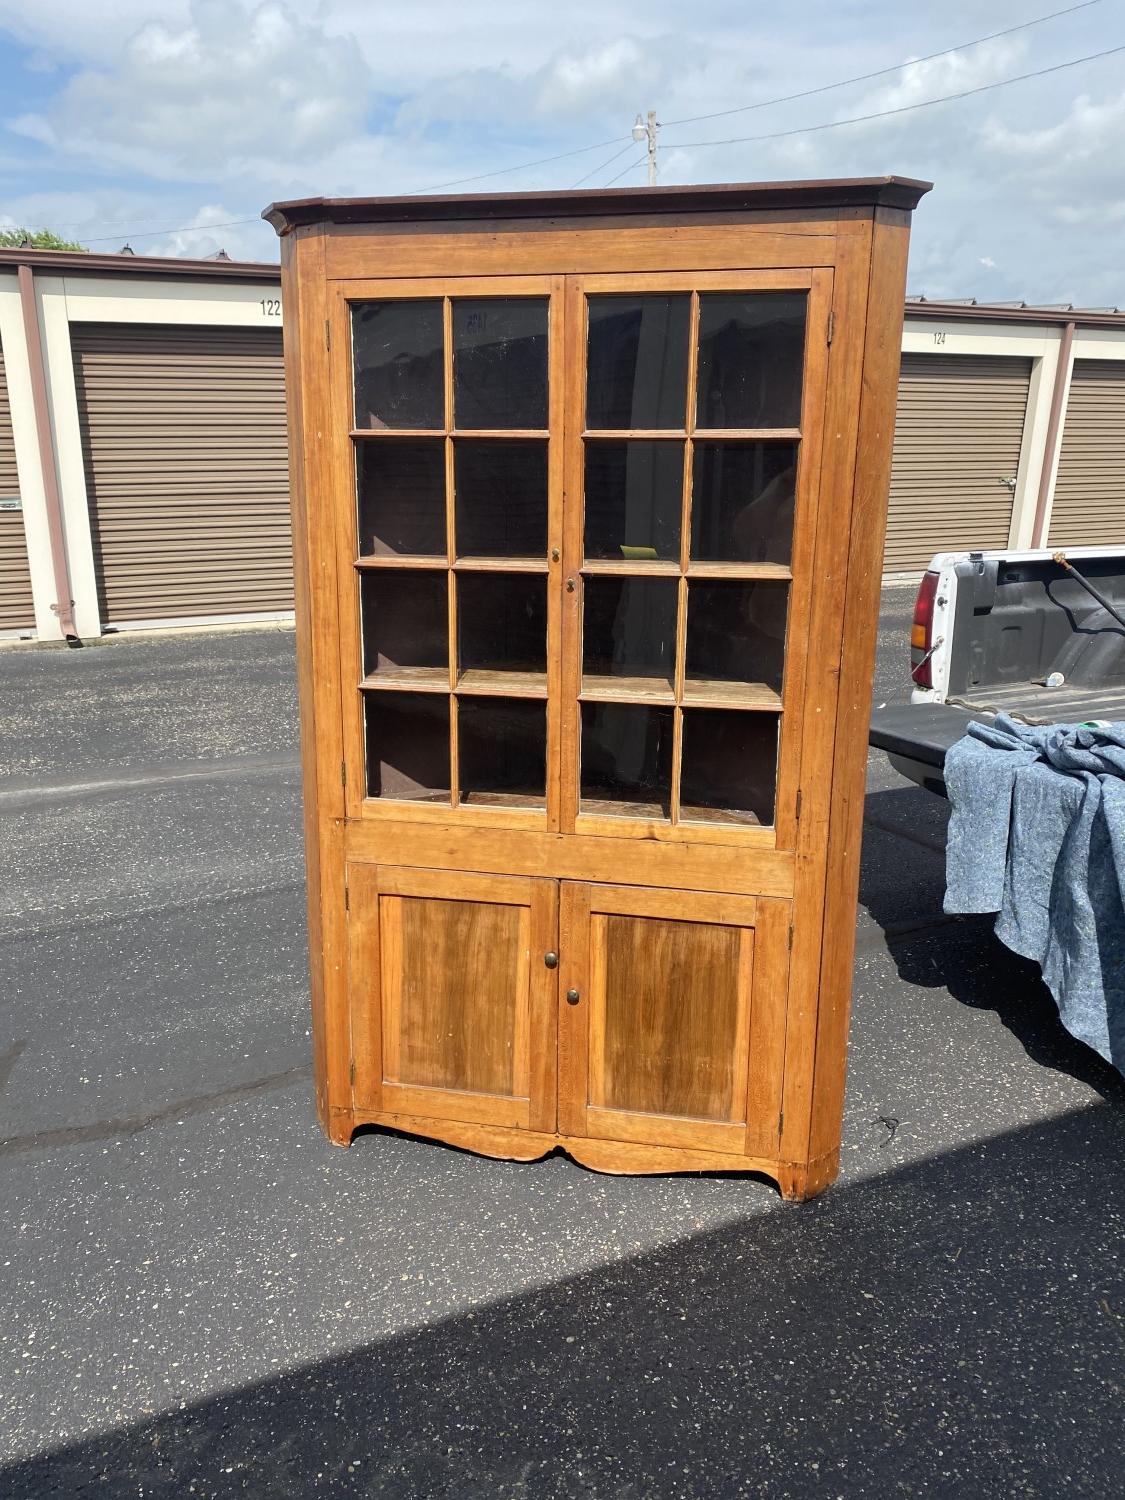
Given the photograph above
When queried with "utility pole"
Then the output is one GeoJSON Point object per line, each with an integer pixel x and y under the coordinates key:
{"type": "Point", "coordinates": [645, 130]}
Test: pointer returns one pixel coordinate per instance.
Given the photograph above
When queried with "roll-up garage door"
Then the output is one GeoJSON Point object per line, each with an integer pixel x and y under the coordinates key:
{"type": "Point", "coordinates": [958, 433]}
{"type": "Point", "coordinates": [184, 443]}
{"type": "Point", "coordinates": [17, 612]}
{"type": "Point", "coordinates": [1089, 508]}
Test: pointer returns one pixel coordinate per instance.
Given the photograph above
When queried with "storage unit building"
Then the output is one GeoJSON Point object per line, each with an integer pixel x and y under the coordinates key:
{"type": "Point", "coordinates": [958, 433]}
{"type": "Point", "coordinates": [17, 606]}
{"type": "Point", "coordinates": [1089, 506]}
{"type": "Point", "coordinates": [184, 450]}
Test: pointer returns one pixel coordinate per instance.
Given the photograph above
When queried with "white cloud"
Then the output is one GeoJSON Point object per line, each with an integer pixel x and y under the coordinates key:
{"type": "Point", "coordinates": [227, 92]}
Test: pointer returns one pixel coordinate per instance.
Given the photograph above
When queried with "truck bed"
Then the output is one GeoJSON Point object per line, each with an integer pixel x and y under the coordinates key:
{"type": "Point", "coordinates": [1035, 704]}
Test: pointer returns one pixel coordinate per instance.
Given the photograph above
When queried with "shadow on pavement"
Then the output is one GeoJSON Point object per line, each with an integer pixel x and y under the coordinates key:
{"type": "Point", "coordinates": [960, 954]}
{"type": "Point", "coordinates": [954, 1327]}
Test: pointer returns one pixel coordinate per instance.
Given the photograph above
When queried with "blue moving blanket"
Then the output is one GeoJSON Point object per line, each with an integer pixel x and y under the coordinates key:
{"type": "Point", "coordinates": [1037, 834]}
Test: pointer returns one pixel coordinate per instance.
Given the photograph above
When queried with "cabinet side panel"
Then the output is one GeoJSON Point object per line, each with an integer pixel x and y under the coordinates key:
{"type": "Point", "coordinates": [306, 384]}
{"type": "Point", "coordinates": [857, 663]}
{"type": "Point", "coordinates": [837, 475]}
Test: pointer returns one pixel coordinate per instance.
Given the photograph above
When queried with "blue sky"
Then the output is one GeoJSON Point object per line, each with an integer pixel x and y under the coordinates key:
{"type": "Point", "coordinates": [167, 124]}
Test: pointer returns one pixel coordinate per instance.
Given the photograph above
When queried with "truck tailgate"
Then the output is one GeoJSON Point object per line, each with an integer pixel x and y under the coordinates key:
{"type": "Point", "coordinates": [916, 737]}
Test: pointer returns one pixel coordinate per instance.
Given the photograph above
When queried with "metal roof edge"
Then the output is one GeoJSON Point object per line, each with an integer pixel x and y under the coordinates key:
{"type": "Point", "coordinates": [86, 263]}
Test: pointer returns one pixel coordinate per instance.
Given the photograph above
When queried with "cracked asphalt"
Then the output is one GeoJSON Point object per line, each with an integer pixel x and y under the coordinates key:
{"type": "Point", "coordinates": [201, 1297]}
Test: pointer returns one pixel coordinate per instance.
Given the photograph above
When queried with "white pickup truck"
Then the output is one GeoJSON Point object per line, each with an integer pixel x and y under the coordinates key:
{"type": "Point", "coordinates": [1039, 635]}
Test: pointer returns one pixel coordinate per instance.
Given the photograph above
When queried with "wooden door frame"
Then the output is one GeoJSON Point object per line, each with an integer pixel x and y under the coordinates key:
{"type": "Point", "coordinates": [817, 281]}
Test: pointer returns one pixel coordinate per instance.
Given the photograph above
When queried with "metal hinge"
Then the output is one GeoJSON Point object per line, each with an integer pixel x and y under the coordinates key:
{"type": "Point", "coordinates": [780, 1123]}
{"type": "Point", "coordinates": [347, 897]}
{"type": "Point", "coordinates": [328, 334]}
{"type": "Point", "coordinates": [351, 1073]}
{"type": "Point", "coordinates": [831, 323]}
{"type": "Point", "coordinates": [791, 937]}
{"type": "Point", "coordinates": [797, 807]}
{"type": "Point", "coordinates": [343, 773]}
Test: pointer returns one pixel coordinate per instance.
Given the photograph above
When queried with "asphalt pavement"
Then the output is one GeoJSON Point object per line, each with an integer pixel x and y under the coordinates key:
{"type": "Point", "coordinates": [202, 1297]}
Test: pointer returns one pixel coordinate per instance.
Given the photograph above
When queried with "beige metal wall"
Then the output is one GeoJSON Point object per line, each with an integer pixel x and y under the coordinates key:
{"type": "Point", "coordinates": [958, 433]}
{"type": "Point", "coordinates": [184, 448]}
{"type": "Point", "coordinates": [1089, 504]}
{"type": "Point", "coordinates": [17, 609]}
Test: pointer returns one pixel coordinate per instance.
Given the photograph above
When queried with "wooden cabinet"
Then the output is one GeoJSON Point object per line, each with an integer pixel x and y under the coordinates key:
{"type": "Point", "coordinates": [589, 496]}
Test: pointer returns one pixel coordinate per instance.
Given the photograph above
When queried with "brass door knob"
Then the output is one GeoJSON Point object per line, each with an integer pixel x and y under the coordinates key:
{"type": "Point", "coordinates": [551, 960]}
{"type": "Point", "coordinates": [572, 997]}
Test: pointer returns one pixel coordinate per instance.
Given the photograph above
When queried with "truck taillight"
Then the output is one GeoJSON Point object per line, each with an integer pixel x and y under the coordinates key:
{"type": "Point", "coordinates": [922, 631]}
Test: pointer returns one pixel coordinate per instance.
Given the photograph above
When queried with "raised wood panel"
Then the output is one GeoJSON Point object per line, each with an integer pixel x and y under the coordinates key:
{"type": "Point", "coordinates": [668, 1001]}
{"type": "Point", "coordinates": [452, 1007]}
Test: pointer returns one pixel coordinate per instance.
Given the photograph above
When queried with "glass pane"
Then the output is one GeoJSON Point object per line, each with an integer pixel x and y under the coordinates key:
{"type": "Point", "coordinates": [634, 494]}
{"type": "Point", "coordinates": [742, 497]}
{"type": "Point", "coordinates": [500, 362]}
{"type": "Point", "coordinates": [629, 627]}
{"type": "Point", "coordinates": [626, 759]}
{"type": "Point", "coordinates": [636, 365]}
{"type": "Point", "coordinates": [501, 498]}
{"type": "Point", "coordinates": [751, 354]}
{"type": "Point", "coordinates": [736, 631]}
{"type": "Point", "coordinates": [407, 746]}
{"type": "Point", "coordinates": [503, 751]}
{"type": "Point", "coordinates": [397, 350]}
{"type": "Point", "coordinates": [502, 622]}
{"type": "Point", "coordinates": [402, 497]}
{"type": "Point", "coordinates": [729, 766]}
{"type": "Point", "coordinates": [406, 625]}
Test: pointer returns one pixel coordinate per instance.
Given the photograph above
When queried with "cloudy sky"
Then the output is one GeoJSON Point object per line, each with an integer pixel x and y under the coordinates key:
{"type": "Point", "coordinates": [154, 120]}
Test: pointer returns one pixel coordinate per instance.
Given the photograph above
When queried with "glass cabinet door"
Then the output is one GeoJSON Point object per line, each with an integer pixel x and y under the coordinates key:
{"type": "Point", "coordinates": [451, 436]}
{"type": "Point", "coordinates": [689, 478]}
{"type": "Point", "coordinates": [581, 539]}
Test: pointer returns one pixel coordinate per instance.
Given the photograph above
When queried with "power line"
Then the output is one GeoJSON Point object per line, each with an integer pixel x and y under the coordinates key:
{"type": "Point", "coordinates": [912, 62]}
{"type": "Point", "coordinates": [145, 234]}
{"type": "Point", "coordinates": [523, 166]}
{"type": "Point", "coordinates": [639, 161]}
{"type": "Point", "coordinates": [605, 164]}
{"type": "Point", "coordinates": [903, 109]}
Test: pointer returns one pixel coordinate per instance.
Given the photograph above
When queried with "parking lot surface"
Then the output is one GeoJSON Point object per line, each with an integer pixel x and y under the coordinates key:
{"type": "Point", "coordinates": [203, 1297]}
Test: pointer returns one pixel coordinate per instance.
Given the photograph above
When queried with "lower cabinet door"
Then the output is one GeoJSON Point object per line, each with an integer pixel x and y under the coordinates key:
{"type": "Point", "coordinates": [453, 1008]}
{"type": "Point", "coordinates": [671, 1017]}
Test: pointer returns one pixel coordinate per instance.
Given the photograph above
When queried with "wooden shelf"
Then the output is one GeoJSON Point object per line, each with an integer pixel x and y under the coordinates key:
{"type": "Point", "coordinates": [500, 565]}
{"type": "Point", "coordinates": [431, 562]}
{"type": "Point", "coordinates": [744, 570]}
{"type": "Point", "coordinates": [408, 680]}
{"type": "Point", "coordinates": [504, 799]}
{"type": "Point", "coordinates": [599, 688]}
{"type": "Point", "coordinates": [663, 567]}
{"type": "Point", "coordinates": [514, 433]}
{"type": "Point", "coordinates": [715, 692]}
{"type": "Point", "coordinates": [704, 434]}
{"type": "Point", "coordinates": [607, 807]}
{"type": "Point", "coordinates": [628, 566]}
{"type": "Point", "coordinates": [481, 683]}
{"type": "Point", "coordinates": [719, 815]}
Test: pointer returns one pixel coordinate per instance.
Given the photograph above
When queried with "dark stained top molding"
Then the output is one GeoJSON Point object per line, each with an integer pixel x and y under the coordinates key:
{"type": "Point", "coordinates": [848, 192]}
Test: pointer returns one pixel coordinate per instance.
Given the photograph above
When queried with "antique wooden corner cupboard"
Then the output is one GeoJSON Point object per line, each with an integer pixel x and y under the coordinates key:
{"type": "Point", "coordinates": [589, 495]}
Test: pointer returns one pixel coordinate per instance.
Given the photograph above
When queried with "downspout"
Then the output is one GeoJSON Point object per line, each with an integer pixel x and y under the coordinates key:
{"type": "Point", "coordinates": [64, 604]}
{"type": "Point", "coordinates": [1050, 446]}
